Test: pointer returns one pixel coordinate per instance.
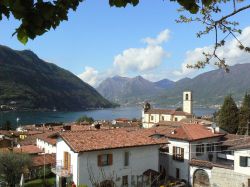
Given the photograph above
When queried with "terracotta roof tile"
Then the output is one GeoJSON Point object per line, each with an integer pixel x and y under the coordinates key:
{"type": "Point", "coordinates": [110, 139]}
{"type": "Point", "coordinates": [40, 160]}
{"type": "Point", "coordinates": [167, 111]}
{"type": "Point", "coordinates": [207, 164]}
{"type": "Point", "coordinates": [46, 137]}
{"type": "Point", "coordinates": [234, 141]}
{"type": "Point", "coordinates": [29, 149]}
{"type": "Point", "coordinates": [170, 123]}
{"type": "Point", "coordinates": [29, 140]}
{"type": "Point", "coordinates": [201, 163]}
{"type": "Point", "coordinates": [192, 132]}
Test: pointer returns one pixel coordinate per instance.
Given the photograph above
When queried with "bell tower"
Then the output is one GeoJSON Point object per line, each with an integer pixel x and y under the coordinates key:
{"type": "Point", "coordinates": [187, 102]}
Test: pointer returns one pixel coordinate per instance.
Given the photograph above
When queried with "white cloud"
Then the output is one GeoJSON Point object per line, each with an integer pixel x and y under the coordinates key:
{"type": "Point", "coordinates": [139, 59]}
{"type": "Point", "coordinates": [142, 59]}
{"type": "Point", "coordinates": [162, 37]}
{"type": "Point", "coordinates": [230, 52]}
{"type": "Point", "coordinates": [90, 76]}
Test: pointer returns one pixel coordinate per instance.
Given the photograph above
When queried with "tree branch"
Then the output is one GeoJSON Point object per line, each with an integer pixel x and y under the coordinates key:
{"type": "Point", "coordinates": [233, 13]}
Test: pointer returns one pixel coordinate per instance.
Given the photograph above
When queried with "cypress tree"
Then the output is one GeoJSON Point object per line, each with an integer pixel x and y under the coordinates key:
{"type": "Point", "coordinates": [244, 116]}
{"type": "Point", "coordinates": [229, 115]}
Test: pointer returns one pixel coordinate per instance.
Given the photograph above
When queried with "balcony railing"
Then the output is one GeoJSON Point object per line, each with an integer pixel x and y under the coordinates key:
{"type": "Point", "coordinates": [60, 170]}
{"type": "Point", "coordinates": [225, 156]}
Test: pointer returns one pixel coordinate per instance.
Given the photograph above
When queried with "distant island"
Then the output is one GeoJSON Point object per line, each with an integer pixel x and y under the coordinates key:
{"type": "Point", "coordinates": [29, 83]}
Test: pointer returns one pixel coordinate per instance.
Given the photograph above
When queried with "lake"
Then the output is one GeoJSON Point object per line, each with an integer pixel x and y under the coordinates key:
{"type": "Point", "coordinates": [32, 117]}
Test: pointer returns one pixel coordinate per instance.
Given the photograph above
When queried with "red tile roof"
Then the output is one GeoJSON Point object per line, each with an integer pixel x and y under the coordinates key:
{"type": "Point", "coordinates": [201, 163]}
{"type": "Point", "coordinates": [167, 111]}
{"type": "Point", "coordinates": [234, 141]}
{"type": "Point", "coordinates": [29, 149]}
{"type": "Point", "coordinates": [110, 139]}
{"type": "Point", "coordinates": [46, 137]}
{"type": "Point", "coordinates": [40, 160]}
{"type": "Point", "coordinates": [207, 164]}
{"type": "Point", "coordinates": [29, 140]}
{"type": "Point", "coordinates": [170, 123]}
{"type": "Point", "coordinates": [192, 132]}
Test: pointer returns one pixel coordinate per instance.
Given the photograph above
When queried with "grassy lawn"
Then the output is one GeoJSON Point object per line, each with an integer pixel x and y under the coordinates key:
{"type": "Point", "coordinates": [39, 182]}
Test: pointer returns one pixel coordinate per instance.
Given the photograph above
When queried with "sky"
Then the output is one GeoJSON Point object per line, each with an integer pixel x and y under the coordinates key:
{"type": "Point", "coordinates": [99, 41]}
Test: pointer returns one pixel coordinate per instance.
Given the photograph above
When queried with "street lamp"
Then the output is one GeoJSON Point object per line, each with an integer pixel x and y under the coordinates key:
{"type": "Point", "coordinates": [17, 120]}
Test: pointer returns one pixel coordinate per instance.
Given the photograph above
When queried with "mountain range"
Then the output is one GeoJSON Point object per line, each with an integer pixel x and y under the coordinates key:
{"type": "Point", "coordinates": [208, 88]}
{"type": "Point", "coordinates": [29, 82]}
{"type": "Point", "coordinates": [124, 89]}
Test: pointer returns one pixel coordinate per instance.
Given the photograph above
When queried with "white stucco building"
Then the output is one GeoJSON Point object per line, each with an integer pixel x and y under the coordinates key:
{"type": "Point", "coordinates": [187, 142]}
{"type": "Point", "coordinates": [232, 166]}
{"type": "Point", "coordinates": [118, 156]}
{"type": "Point", "coordinates": [151, 116]}
{"type": "Point", "coordinates": [46, 143]}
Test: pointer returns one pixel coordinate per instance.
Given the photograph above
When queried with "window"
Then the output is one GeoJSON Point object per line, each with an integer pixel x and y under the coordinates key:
{"type": "Point", "coordinates": [177, 173]}
{"type": "Point", "coordinates": [126, 158]}
{"type": "Point", "coordinates": [152, 118]}
{"type": "Point", "coordinates": [199, 149]}
{"type": "Point", "coordinates": [244, 161]}
{"type": "Point", "coordinates": [105, 160]}
{"type": "Point", "coordinates": [125, 180]}
{"type": "Point", "coordinates": [175, 119]}
{"type": "Point", "coordinates": [186, 96]}
{"type": "Point", "coordinates": [162, 118]}
{"type": "Point", "coordinates": [178, 153]}
{"type": "Point", "coordinates": [210, 147]}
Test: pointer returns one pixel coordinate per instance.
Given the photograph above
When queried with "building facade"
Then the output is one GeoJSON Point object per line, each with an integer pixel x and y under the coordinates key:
{"type": "Point", "coordinates": [119, 158]}
{"type": "Point", "coordinates": [151, 117]}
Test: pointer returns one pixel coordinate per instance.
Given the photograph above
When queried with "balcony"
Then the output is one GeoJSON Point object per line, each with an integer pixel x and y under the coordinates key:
{"type": "Point", "coordinates": [225, 156]}
{"type": "Point", "coordinates": [60, 170]}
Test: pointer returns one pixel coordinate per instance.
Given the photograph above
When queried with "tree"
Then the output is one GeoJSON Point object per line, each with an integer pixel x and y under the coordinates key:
{"type": "Point", "coordinates": [12, 166]}
{"type": "Point", "coordinates": [244, 116]}
{"type": "Point", "coordinates": [228, 118]}
{"type": "Point", "coordinates": [38, 17]}
{"type": "Point", "coordinates": [85, 119]}
{"type": "Point", "coordinates": [223, 27]}
{"type": "Point", "coordinates": [7, 126]}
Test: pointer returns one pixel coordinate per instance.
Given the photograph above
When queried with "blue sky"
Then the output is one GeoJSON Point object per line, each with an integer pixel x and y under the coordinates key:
{"type": "Point", "coordinates": [99, 41]}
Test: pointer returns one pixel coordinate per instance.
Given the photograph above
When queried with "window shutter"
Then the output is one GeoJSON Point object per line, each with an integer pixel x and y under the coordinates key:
{"type": "Point", "coordinates": [99, 160]}
{"type": "Point", "coordinates": [110, 159]}
{"type": "Point", "coordinates": [174, 152]}
{"type": "Point", "coordinates": [243, 161]}
{"type": "Point", "coordinates": [182, 153]}
{"type": "Point", "coordinates": [65, 160]}
{"type": "Point", "coordinates": [69, 161]}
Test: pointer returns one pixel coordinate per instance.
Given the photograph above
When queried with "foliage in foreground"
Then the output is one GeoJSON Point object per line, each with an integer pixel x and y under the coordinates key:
{"type": "Point", "coordinates": [40, 183]}
{"type": "Point", "coordinates": [13, 165]}
{"type": "Point", "coordinates": [38, 17]}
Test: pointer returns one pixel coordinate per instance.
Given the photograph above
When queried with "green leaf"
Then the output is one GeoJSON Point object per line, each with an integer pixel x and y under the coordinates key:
{"type": "Point", "coordinates": [207, 2]}
{"type": "Point", "coordinates": [22, 36]}
{"type": "Point", "coordinates": [194, 9]}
